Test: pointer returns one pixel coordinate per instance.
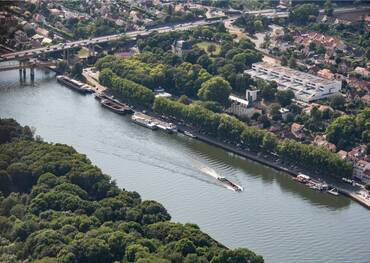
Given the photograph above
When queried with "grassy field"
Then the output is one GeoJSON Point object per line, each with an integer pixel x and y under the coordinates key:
{"type": "Point", "coordinates": [83, 53]}
{"type": "Point", "coordinates": [204, 45]}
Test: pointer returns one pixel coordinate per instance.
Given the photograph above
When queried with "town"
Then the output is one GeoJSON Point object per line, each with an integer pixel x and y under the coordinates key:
{"type": "Point", "coordinates": [284, 83]}
{"type": "Point", "coordinates": [304, 82]}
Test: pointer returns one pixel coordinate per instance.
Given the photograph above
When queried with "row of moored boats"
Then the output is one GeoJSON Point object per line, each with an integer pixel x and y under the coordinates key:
{"type": "Point", "coordinates": [314, 184]}
{"type": "Point", "coordinates": [139, 118]}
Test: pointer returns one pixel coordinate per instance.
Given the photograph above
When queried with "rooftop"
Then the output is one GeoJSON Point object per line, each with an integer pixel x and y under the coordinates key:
{"type": "Point", "coordinates": [294, 73]}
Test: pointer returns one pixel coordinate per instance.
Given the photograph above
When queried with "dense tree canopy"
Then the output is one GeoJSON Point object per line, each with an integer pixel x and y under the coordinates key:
{"type": "Point", "coordinates": [55, 206]}
{"type": "Point", "coordinates": [234, 131]}
{"type": "Point", "coordinates": [301, 14]}
{"type": "Point", "coordinates": [346, 131]}
{"type": "Point", "coordinates": [215, 89]}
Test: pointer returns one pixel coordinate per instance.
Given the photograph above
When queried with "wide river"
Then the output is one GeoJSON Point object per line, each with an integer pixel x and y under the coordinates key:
{"type": "Point", "coordinates": [274, 216]}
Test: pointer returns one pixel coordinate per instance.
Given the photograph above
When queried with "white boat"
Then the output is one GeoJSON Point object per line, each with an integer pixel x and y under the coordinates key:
{"type": "Point", "coordinates": [144, 120]}
{"type": "Point", "coordinates": [333, 191]}
{"type": "Point", "coordinates": [167, 127]}
{"type": "Point", "coordinates": [187, 133]}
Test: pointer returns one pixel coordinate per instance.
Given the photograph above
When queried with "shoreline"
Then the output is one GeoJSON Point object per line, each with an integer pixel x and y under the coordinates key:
{"type": "Point", "coordinates": [347, 190]}
{"type": "Point", "coordinates": [344, 189]}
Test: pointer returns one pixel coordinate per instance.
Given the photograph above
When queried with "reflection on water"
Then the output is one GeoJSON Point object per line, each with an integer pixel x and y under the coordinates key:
{"type": "Point", "coordinates": [227, 161]}
{"type": "Point", "coordinates": [274, 216]}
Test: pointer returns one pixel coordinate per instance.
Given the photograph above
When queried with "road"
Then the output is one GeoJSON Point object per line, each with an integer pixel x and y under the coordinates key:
{"type": "Point", "coordinates": [25, 54]}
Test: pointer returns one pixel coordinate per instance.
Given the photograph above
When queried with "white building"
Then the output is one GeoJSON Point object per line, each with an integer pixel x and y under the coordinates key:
{"type": "Point", "coordinates": [306, 87]}
{"type": "Point", "coordinates": [251, 95]}
{"type": "Point", "coordinates": [361, 170]}
{"type": "Point", "coordinates": [242, 108]}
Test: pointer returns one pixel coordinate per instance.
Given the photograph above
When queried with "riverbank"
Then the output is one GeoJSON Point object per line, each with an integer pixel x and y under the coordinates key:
{"type": "Point", "coordinates": [265, 217]}
{"type": "Point", "coordinates": [353, 192]}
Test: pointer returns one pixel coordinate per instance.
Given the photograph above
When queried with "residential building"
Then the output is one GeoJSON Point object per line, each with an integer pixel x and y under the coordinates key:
{"type": "Point", "coordinates": [251, 95]}
{"type": "Point", "coordinates": [361, 171]}
{"type": "Point", "coordinates": [297, 130]}
{"type": "Point", "coordinates": [306, 87]}
{"type": "Point", "coordinates": [357, 153]}
{"type": "Point", "coordinates": [321, 141]}
{"type": "Point", "coordinates": [342, 154]}
{"type": "Point", "coordinates": [241, 107]}
{"type": "Point", "coordinates": [325, 73]}
{"type": "Point", "coordinates": [330, 43]}
{"type": "Point", "coordinates": [362, 71]}
{"type": "Point", "coordinates": [366, 99]}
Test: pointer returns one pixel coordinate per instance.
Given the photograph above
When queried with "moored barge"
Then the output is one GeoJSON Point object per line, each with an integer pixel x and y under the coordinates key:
{"type": "Point", "coordinates": [115, 107]}
{"type": "Point", "coordinates": [74, 84]}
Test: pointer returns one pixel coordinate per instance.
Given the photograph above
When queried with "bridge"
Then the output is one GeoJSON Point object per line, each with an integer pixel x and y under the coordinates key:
{"type": "Point", "coordinates": [23, 65]}
{"type": "Point", "coordinates": [32, 53]}
{"type": "Point", "coordinates": [27, 64]}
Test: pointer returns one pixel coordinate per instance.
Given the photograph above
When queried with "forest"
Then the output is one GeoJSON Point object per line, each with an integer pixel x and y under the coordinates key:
{"type": "Point", "coordinates": [56, 206]}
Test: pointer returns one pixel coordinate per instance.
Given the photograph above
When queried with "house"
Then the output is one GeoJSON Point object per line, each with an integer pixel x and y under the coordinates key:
{"type": "Point", "coordinates": [342, 154]}
{"type": "Point", "coordinates": [362, 71]}
{"type": "Point", "coordinates": [361, 171]}
{"type": "Point", "coordinates": [357, 153]}
{"type": "Point", "coordinates": [325, 73]}
{"type": "Point", "coordinates": [55, 11]}
{"type": "Point", "coordinates": [42, 31]}
{"type": "Point", "coordinates": [46, 41]}
{"type": "Point", "coordinates": [297, 130]}
{"type": "Point", "coordinates": [359, 84]}
{"type": "Point", "coordinates": [366, 99]}
{"type": "Point", "coordinates": [322, 142]}
{"type": "Point", "coordinates": [330, 43]}
{"type": "Point", "coordinates": [20, 36]}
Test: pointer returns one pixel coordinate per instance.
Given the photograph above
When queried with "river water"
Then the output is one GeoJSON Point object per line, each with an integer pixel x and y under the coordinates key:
{"type": "Point", "coordinates": [274, 216]}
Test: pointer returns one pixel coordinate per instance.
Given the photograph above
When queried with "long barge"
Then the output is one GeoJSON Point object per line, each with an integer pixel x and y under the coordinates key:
{"type": "Point", "coordinates": [115, 107]}
{"type": "Point", "coordinates": [74, 84]}
{"type": "Point", "coordinates": [228, 183]}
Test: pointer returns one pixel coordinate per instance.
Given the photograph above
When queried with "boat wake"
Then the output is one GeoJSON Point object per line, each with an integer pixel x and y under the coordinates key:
{"type": "Point", "coordinates": [211, 172]}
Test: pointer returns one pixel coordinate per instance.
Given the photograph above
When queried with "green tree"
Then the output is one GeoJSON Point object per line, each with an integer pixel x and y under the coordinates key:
{"type": "Point", "coordinates": [275, 111]}
{"type": "Point", "coordinates": [285, 97]}
{"type": "Point", "coordinates": [328, 7]}
{"type": "Point", "coordinates": [267, 89]}
{"type": "Point", "coordinates": [215, 89]}
{"type": "Point", "coordinates": [338, 102]}
{"type": "Point", "coordinates": [301, 14]}
{"type": "Point", "coordinates": [211, 48]}
{"type": "Point", "coordinates": [77, 69]}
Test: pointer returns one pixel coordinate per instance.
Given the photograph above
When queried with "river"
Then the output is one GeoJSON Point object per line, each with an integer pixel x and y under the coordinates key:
{"type": "Point", "coordinates": [274, 216]}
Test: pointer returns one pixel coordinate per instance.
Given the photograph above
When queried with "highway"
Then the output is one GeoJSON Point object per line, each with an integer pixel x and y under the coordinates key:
{"type": "Point", "coordinates": [30, 53]}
